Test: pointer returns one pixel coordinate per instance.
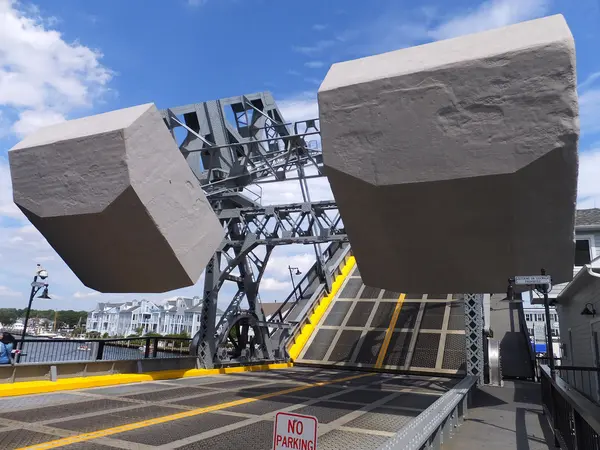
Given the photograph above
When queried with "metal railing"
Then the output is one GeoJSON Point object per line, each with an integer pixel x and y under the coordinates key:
{"type": "Point", "coordinates": [61, 350]}
{"type": "Point", "coordinates": [586, 380]}
{"type": "Point", "coordinates": [575, 421]}
{"type": "Point", "coordinates": [305, 287]}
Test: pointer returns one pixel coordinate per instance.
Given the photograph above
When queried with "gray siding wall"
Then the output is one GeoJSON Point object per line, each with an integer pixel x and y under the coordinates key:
{"type": "Point", "coordinates": [578, 343]}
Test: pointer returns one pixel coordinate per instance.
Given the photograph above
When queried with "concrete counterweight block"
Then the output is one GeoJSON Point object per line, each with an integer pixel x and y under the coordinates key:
{"type": "Point", "coordinates": [115, 198]}
{"type": "Point", "coordinates": [454, 164]}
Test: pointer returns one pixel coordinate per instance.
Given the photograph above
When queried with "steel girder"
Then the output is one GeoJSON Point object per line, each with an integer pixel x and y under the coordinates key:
{"type": "Point", "coordinates": [231, 144]}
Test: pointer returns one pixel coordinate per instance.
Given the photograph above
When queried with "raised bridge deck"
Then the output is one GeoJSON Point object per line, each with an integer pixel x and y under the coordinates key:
{"type": "Point", "coordinates": [356, 410]}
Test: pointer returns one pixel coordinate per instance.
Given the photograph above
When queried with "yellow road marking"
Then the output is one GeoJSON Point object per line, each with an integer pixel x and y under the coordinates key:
{"type": "Point", "coordinates": [171, 417]}
{"type": "Point", "coordinates": [68, 384]}
{"type": "Point", "coordinates": [388, 333]}
{"type": "Point", "coordinates": [314, 319]}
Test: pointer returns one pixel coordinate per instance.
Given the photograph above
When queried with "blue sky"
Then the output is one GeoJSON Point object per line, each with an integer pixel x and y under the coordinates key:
{"type": "Point", "coordinates": [68, 59]}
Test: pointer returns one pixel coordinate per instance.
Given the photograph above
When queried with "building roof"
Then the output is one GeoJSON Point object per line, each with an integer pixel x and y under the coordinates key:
{"type": "Point", "coordinates": [587, 217]}
{"type": "Point", "coordinates": [584, 278]}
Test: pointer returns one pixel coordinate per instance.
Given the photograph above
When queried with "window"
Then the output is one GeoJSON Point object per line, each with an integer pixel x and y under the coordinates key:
{"type": "Point", "coordinates": [528, 317]}
{"type": "Point", "coordinates": [582, 252]}
{"type": "Point", "coordinates": [530, 331]}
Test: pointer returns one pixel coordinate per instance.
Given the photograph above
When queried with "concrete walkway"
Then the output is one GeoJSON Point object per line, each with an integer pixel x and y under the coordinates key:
{"type": "Point", "coordinates": [506, 418]}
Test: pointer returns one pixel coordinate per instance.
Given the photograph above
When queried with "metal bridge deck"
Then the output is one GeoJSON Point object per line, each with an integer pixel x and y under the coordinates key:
{"type": "Point", "coordinates": [374, 328]}
{"type": "Point", "coordinates": [356, 410]}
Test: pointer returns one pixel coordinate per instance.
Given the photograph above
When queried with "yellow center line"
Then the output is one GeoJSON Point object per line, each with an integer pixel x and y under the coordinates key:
{"type": "Point", "coordinates": [388, 333]}
{"type": "Point", "coordinates": [171, 417]}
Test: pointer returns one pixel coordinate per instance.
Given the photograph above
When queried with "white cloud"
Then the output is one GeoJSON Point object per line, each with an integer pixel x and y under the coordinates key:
{"type": "Point", "coordinates": [490, 14]}
{"type": "Point", "coordinates": [317, 48]}
{"type": "Point", "coordinates": [319, 27]}
{"type": "Point", "coordinates": [314, 64]}
{"type": "Point", "coordinates": [588, 186]}
{"type": "Point", "coordinates": [196, 2]}
{"type": "Point", "coordinates": [589, 111]}
{"type": "Point", "coordinates": [79, 294]}
{"type": "Point", "coordinates": [8, 292]}
{"type": "Point", "coordinates": [42, 77]}
{"type": "Point", "coordinates": [31, 120]}
{"type": "Point", "coordinates": [271, 284]}
{"type": "Point", "coordinates": [300, 106]}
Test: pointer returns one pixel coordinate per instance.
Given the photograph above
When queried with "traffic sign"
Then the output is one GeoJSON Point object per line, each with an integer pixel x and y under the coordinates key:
{"type": "Point", "coordinates": [294, 432]}
{"type": "Point", "coordinates": [533, 279]}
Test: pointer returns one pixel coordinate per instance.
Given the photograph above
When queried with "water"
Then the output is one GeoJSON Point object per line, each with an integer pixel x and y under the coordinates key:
{"type": "Point", "coordinates": [57, 351]}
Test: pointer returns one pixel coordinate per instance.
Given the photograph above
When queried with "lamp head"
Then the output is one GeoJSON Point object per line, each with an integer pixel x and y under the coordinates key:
{"type": "Point", "coordinates": [44, 294]}
{"type": "Point", "coordinates": [41, 272]}
{"type": "Point", "coordinates": [589, 310]}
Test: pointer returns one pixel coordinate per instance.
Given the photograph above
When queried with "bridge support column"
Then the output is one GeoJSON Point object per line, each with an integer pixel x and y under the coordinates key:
{"type": "Point", "coordinates": [474, 335]}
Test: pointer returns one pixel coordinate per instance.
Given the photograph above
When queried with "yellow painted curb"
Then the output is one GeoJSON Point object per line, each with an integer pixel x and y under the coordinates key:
{"type": "Point", "coordinates": [69, 384]}
{"type": "Point", "coordinates": [316, 316]}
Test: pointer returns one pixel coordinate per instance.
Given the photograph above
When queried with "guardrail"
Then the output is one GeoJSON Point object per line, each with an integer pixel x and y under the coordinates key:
{"type": "Point", "coordinates": [336, 269]}
{"type": "Point", "coordinates": [575, 420]}
{"type": "Point", "coordinates": [436, 425]}
{"type": "Point", "coordinates": [306, 286]}
{"type": "Point", "coordinates": [62, 350]}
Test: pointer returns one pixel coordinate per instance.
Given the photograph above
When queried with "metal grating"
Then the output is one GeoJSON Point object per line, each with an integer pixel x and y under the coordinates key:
{"type": "Point", "coordinates": [178, 429]}
{"type": "Point", "coordinates": [344, 347]}
{"type": "Point", "coordinates": [408, 315]}
{"type": "Point", "coordinates": [360, 314]}
{"type": "Point", "coordinates": [326, 412]}
{"type": "Point", "coordinates": [370, 292]}
{"type": "Point", "coordinates": [370, 347]}
{"type": "Point", "coordinates": [426, 349]}
{"type": "Point", "coordinates": [383, 314]}
{"type": "Point", "coordinates": [391, 295]}
{"type": "Point", "coordinates": [351, 289]}
{"type": "Point", "coordinates": [398, 349]}
{"type": "Point", "coordinates": [355, 272]}
{"type": "Point", "coordinates": [383, 419]}
{"type": "Point", "coordinates": [337, 313]}
{"type": "Point", "coordinates": [456, 320]}
{"type": "Point", "coordinates": [337, 439]}
{"type": "Point", "coordinates": [361, 396]}
{"type": "Point", "coordinates": [412, 400]}
{"type": "Point", "coordinates": [455, 352]}
{"type": "Point", "coordinates": [437, 296]}
{"type": "Point", "coordinates": [320, 344]}
{"type": "Point", "coordinates": [261, 407]}
{"type": "Point", "coordinates": [433, 316]}
{"type": "Point", "coordinates": [413, 297]}
{"type": "Point", "coordinates": [19, 438]}
{"type": "Point", "coordinates": [257, 436]}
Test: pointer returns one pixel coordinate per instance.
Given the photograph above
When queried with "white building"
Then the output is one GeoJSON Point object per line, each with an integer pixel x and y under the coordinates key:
{"type": "Point", "coordinates": [173, 316]}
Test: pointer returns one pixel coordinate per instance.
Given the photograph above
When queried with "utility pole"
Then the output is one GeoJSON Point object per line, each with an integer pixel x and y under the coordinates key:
{"type": "Point", "coordinates": [549, 349]}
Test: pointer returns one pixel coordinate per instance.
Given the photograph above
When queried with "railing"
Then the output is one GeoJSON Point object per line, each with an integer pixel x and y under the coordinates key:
{"type": "Point", "coordinates": [575, 421]}
{"type": "Point", "coordinates": [57, 350]}
{"type": "Point", "coordinates": [303, 288]}
{"type": "Point", "coordinates": [586, 380]}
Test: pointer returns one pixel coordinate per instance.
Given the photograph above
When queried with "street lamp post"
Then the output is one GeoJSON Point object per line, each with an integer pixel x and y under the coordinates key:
{"type": "Point", "coordinates": [291, 269]}
{"type": "Point", "coordinates": [36, 285]}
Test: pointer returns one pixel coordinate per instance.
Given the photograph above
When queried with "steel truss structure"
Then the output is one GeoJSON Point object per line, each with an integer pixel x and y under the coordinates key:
{"type": "Point", "coordinates": [233, 145]}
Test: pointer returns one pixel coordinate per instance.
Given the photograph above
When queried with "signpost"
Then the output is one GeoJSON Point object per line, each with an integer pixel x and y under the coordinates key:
{"type": "Point", "coordinates": [294, 432]}
{"type": "Point", "coordinates": [532, 279]}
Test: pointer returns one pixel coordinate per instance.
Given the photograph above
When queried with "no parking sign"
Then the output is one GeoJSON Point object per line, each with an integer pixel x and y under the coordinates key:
{"type": "Point", "coordinates": [294, 432]}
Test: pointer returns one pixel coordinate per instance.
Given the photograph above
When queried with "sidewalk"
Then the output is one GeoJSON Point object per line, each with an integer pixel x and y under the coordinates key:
{"type": "Point", "coordinates": [506, 418]}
